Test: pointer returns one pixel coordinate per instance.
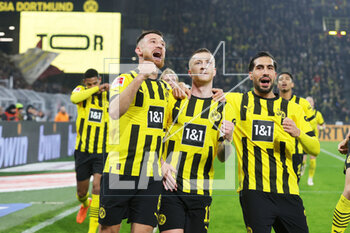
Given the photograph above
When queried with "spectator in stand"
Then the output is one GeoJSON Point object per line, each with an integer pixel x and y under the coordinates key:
{"type": "Point", "coordinates": [33, 114]}
{"type": "Point", "coordinates": [1, 113]}
{"type": "Point", "coordinates": [10, 113]}
{"type": "Point", "coordinates": [41, 116]}
{"type": "Point", "coordinates": [62, 115]}
{"type": "Point", "coordinates": [20, 113]}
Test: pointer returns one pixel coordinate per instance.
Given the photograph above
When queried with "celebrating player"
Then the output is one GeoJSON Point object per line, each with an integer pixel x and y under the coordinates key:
{"type": "Point", "coordinates": [285, 84]}
{"type": "Point", "coordinates": [317, 123]}
{"type": "Point", "coordinates": [264, 137]}
{"type": "Point", "coordinates": [92, 101]}
{"type": "Point", "coordinates": [191, 145]}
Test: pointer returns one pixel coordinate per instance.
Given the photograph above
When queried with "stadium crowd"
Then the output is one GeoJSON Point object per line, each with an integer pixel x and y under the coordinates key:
{"type": "Point", "coordinates": [292, 30]}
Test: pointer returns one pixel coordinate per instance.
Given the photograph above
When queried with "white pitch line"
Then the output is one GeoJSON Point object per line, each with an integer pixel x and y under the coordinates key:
{"type": "Point", "coordinates": [52, 220]}
{"type": "Point", "coordinates": [333, 155]}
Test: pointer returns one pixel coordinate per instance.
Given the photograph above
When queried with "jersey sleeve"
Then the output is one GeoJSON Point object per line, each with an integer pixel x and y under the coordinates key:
{"type": "Point", "coordinates": [168, 113]}
{"type": "Point", "coordinates": [80, 93]}
{"type": "Point", "coordinates": [307, 109]}
{"type": "Point", "coordinates": [119, 84]}
{"type": "Point", "coordinates": [319, 118]}
{"type": "Point", "coordinates": [234, 100]}
{"type": "Point", "coordinates": [230, 113]}
{"type": "Point", "coordinates": [307, 136]}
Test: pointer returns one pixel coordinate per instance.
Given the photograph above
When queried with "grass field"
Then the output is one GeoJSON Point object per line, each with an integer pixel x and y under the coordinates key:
{"type": "Point", "coordinates": [225, 216]}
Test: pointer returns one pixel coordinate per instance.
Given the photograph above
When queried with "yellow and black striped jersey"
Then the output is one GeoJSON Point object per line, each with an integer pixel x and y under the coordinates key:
{"type": "Point", "coordinates": [136, 138]}
{"type": "Point", "coordinates": [192, 140]}
{"type": "Point", "coordinates": [263, 148]}
{"type": "Point", "coordinates": [304, 104]}
{"type": "Point", "coordinates": [298, 148]}
{"type": "Point", "coordinates": [315, 120]}
{"type": "Point", "coordinates": [92, 119]}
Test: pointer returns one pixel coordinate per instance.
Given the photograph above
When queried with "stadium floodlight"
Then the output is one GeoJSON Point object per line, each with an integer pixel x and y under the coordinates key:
{"type": "Point", "coordinates": [6, 39]}
{"type": "Point", "coordinates": [2, 33]}
{"type": "Point", "coordinates": [343, 33]}
{"type": "Point", "coordinates": [332, 33]}
{"type": "Point", "coordinates": [11, 28]}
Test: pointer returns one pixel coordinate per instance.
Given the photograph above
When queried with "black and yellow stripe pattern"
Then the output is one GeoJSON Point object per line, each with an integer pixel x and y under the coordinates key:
{"type": "Point", "coordinates": [136, 138]}
{"type": "Point", "coordinates": [265, 151]}
{"type": "Point", "coordinates": [341, 215]}
{"type": "Point", "coordinates": [315, 120]}
{"type": "Point", "coordinates": [192, 140]}
{"type": "Point", "coordinates": [92, 123]}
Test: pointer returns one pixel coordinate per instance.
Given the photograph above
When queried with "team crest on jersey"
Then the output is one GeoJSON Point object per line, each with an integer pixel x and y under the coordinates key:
{"type": "Point", "coordinates": [161, 219]}
{"type": "Point", "coordinates": [166, 93]}
{"type": "Point", "coordinates": [102, 213]}
{"type": "Point", "coordinates": [249, 230]}
{"type": "Point", "coordinates": [77, 89]}
{"type": "Point", "coordinates": [280, 113]}
{"type": "Point", "coordinates": [118, 82]}
{"type": "Point", "coordinates": [215, 115]}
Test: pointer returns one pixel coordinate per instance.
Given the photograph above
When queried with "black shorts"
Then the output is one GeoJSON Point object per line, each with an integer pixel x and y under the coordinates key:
{"type": "Point", "coordinates": [87, 164]}
{"type": "Point", "coordinates": [184, 211]}
{"type": "Point", "coordinates": [284, 212]}
{"type": "Point", "coordinates": [138, 205]}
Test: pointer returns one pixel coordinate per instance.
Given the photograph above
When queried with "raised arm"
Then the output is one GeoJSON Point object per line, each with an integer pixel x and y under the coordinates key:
{"type": "Point", "coordinates": [121, 101]}
{"type": "Point", "coordinates": [79, 95]}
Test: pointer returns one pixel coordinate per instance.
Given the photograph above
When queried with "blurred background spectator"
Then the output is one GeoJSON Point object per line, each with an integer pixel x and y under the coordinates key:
{"type": "Point", "coordinates": [20, 111]}
{"type": "Point", "coordinates": [296, 32]}
{"type": "Point", "coordinates": [10, 113]}
{"type": "Point", "coordinates": [62, 115]}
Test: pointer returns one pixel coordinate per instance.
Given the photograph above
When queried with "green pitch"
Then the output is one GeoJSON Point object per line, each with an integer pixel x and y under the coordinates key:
{"type": "Point", "coordinates": [225, 214]}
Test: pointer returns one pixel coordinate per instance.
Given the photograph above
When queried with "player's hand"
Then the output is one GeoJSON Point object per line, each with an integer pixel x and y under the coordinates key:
{"type": "Point", "coordinates": [180, 91]}
{"type": "Point", "coordinates": [147, 68]}
{"type": "Point", "coordinates": [104, 87]}
{"type": "Point", "coordinates": [219, 95]}
{"type": "Point", "coordinates": [169, 181]}
{"type": "Point", "coordinates": [343, 145]}
{"type": "Point", "coordinates": [226, 129]}
{"type": "Point", "coordinates": [290, 127]}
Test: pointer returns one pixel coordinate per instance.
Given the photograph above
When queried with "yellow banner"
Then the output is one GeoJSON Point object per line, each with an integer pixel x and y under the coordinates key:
{"type": "Point", "coordinates": [36, 6]}
{"type": "Point", "coordinates": [334, 133]}
{"type": "Point", "coordinates": [82, 40]}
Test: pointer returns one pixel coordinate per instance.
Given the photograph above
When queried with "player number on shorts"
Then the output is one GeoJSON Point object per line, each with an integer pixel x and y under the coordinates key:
{"type": "Point", "coordinates": [263, 130]}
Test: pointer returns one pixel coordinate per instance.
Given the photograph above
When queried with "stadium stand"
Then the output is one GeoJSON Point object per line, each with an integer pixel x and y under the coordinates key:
{"type": "Point", "coordinates": [45, 102]}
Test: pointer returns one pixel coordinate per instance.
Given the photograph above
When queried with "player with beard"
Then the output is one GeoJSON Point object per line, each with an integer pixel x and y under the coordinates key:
{"type": "Point", "coordinates": [265, 130]}
{"type": "Point", "coordinates": [131, 181]}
